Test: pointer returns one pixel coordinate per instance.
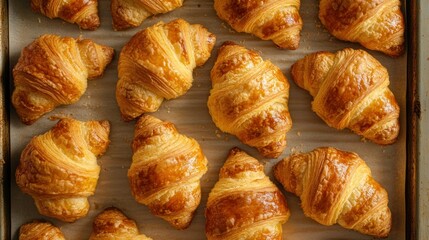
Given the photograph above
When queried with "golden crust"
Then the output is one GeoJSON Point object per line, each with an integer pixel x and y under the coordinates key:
{"type": "Point", "coordinates": [376, 24]}
{"type": "Point", "coordinates": [166, 171]}
{"type": "Point", "coordinates": [40, 231]}
{"type": "Point", "coordinates": [53, 71]}
{"type": "Point", "coordinates": [249, 99]}
{"type": "Point", "coordinates": [83, 13]}
{"type": "Point", "coordinates": [274, 20]}
{"type": "Point", "coordinates": [157, 63]}
{"type": "Point", "coordinates": [350, 90]}
{"type": "Point", "coordinates": [59, 168]}
{"type": "Point", "coordinates": [337, 187]}
{"type": "Point", "coordinates": [131, 13]}
{"type": "Point", "coordinates": [244, 203]}
{"type": "Point", "coordinates": [113, 224]}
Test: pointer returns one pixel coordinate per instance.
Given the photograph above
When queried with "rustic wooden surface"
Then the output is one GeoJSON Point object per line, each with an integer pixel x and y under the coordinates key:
{"type": "Point", "coordinates": [191, 117]}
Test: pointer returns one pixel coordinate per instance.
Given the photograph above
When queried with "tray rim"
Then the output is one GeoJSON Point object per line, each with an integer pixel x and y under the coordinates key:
{"type": "Point", "coordinates": [412, 116]}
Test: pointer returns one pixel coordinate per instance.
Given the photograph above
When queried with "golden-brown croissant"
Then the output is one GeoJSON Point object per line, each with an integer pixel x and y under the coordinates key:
{"type": "Point", "coordinates": [157, 63]}
{"type": "Point", "coordinates": [83, 13]}
{"type": "Point", "coordinates": [249, 99]}
{"type": "Point", "coordinates": [112, 224]}
{"type": "Point", "coordinates": [350, 90]}
{"type": "Point", "coordinates": [59, 168]}
{"type": "Point", "coordinates": [244, 204]}
{"type": "Point", "coordinates": [337, 187]}
{"type": "Point", "coordinates": [276, 20]}
{"type": "Point", "coordinates": [131, 13]}
{"type": "Point", "coordinates": [377, 25]}
{"type": "Point", "coordinates": [40, 231]}
{"type": "Point", "coordinates": [52, 71]}
{"type": "Point", "coordinates": [166, 171]}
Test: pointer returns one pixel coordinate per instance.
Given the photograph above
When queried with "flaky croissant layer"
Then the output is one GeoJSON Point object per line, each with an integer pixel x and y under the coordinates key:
{"type": "Point", "coordinates": [112, 224]}
{"type": "Point", "coordinates": [131, 13]}
{"type": "Point", "coordinates": [157, 64]}
{"type": "Point", "coordinates": [53, 71]}
{"type": "Point", "coordinates": [350, 90]}
{"type": "Point", "coordinates": [377, 25]}
{"type": "Point", "coordinates": [40, 231]}
{"type": "Point", "coordinates": [166, 171]}
{"type": "Point", "coordinates": [244, 204]}
{"type": "Point", "coordinates": [337, 187]}
{"type": "Point", "coordinates": [276, 20]}
{"type": "Point", "coordinates": [249, 99]}
{"type": "Point", "coordinates": [83, 13]}
{"type": "Point", "coordinates": [59, 168]}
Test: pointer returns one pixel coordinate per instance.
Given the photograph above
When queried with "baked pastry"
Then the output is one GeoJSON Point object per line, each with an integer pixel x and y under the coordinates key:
{"type": "Point", "coordinates": [157, 63]}
{"type": "Point", "coordinates": [59, 168]}
{"type": "Point", "coordinates": [112, 224]}
{"type": "Point", "coordinates": [249, 99]}
{"type": "Point", "coordinates": [244, 204]}
{"type": "Point", "coordinates": [377, 25]}
{"type": "Point", "coordinates": [40, 231]}
{"type": "Point", "coordinates": [166, 170]}
{"type": "Point", "coordinates": [350, 90]}
{"type": "Point", "coordinates": [337, 187]}
{"type": "Point", "coordinates": [276, 20]}
{"type": "Point", "coordinates": [131, 13]}
{"type": "Point", "coordinates": [83, 13]}
{"type": "Point", "coordinates": [52, 71]}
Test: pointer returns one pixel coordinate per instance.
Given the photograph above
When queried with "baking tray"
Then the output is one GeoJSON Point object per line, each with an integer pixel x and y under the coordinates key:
{"type": "Point", "coordinates": [393, 166]}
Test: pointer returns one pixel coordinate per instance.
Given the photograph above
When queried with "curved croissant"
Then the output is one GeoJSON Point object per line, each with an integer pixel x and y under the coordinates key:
{"type": "Point", "coordinates": [112, 224]}
{"type": "Point", "coordinates": [83, 13]}
{"type": "Point", "coordinates": [131, 13]}
{"type": "Point", "coordinates": [350, 90]}
{"type": "Point", "coordinates": [40, 231]}
{"type": "Point", "coordinates": [249, 99]}
{"type": "Point", "coordinates": [52, 71]}
{"type": "Point", "coordinates": [276, 20]}
{"type": "Point", "coordinates": [244, 204]}
{"type": "Point", "coordinates": [157, 63]}
{"type": "Point", "coordinates": [337, 187]}
{"type": "Point", "coordinates": [377, 25]}
{"type": "Point", "coordinates": [59, 168]}
{"type": "Point", "coordinates": [166, 171]}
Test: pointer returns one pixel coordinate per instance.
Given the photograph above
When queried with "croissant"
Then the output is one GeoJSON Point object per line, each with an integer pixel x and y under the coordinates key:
{"type": "Point", "coordinates": [59, 168]}
{"type": "Point", "coordinates": [112, 224]}
{"type": "Point", "coordinates": [337, 187]}
{"type": "Point", "coordinates": [52, 71]}
{"type": "Point", "coordinates": [249, 99]}
{"type": "Point", "coordinates": [244, 204]}
{"type": "Point", "coordinates": [40, 231]}
{"type": "Point", "coordinates": [276, 20]}
{"type": "Point", "coordinates": [376, 25]}
{"type": "Point", "coordinates": [166, 170]}
{"type": "Point", "coordinates": [350, 90]}
{"type": "Point", "coordinates": [83, 13]}
{"type": "Point", "coordinates": [131, 13]}
{"type": "Point", "coordinates": [157, 63]}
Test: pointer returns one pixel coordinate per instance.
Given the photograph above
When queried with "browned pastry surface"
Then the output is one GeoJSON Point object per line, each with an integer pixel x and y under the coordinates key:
{"type": "Point", "coordinates": [82, 12]}
{"type": "Point", "coordinates": [350, 90]}
{"type": "Point", "coordinates": [337, 187]}
{"type": "Point", "coordinates": [244, 204]}
{"type": "Point", "coordinates": [166, 170]}
{"type": "Point", "coordinates": [59, 168]}
{"type": "Point", "coordinates": [53, 71]}
{"type": "Point", "coordinates": [157, 64]}
{"type": "Point", "coordinates": [276, 20]}
{"type": "Point", "coordinates": [40, 231]}
{"type": "Point", "coordinates": [249, 99]}
{"type": "Point", "coordinates": [376, 24]}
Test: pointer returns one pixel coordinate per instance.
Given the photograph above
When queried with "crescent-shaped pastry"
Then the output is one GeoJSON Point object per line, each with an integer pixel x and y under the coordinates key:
{"type": "Point", "coordinates": [59, 168]}
{"type": "Point", "coordinates": [337, 187]}
{"type": "Point", "coordinates": [40, 231]}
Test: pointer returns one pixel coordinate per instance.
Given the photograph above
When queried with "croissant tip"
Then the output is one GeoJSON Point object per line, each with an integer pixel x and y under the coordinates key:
{"type": "Point", "coordinates": [234, 151]}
